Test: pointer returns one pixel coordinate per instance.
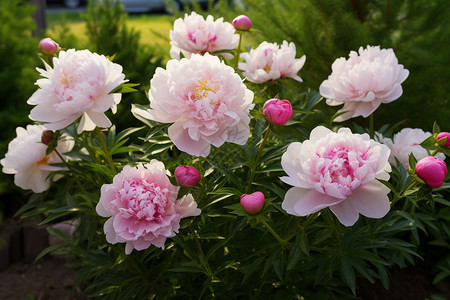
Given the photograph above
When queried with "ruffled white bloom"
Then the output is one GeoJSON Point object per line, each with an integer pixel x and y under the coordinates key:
{"type": "Point", "coordinates": [338, 170]}
{"type": "Point", "coordinates": [194, 34]}
{"type": "Point", "coordinates": [404, 143]}
{"type": "Point", "coordinates": [27, 160]}
{"type": "Point", "coordinates": [364, 81]}
{"type": "Point", "coordinates": [204, 99]}
{"type": "Point", "coordinates": [270, 62]}
{"type": "Point", "coordinates": [78, 85]}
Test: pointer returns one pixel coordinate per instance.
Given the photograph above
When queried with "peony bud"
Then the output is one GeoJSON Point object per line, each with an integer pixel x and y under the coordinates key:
{"type": "Point", "coordinates": [432, 170]}
{"type": "Point", "coordinates": [277, 112]}
{"type": "Point", "coordinates": [47, 137]}
{"type": "Point", "coordinates": [242, 23]}
{"type": "Point", "coordinates": [444, 135]}
{"type": "Point", "coordinates": [187, 176]}
{"type": "Point", "coordinates": [48, 46]}
{"type": "Point", "coordinates": [253, 203]}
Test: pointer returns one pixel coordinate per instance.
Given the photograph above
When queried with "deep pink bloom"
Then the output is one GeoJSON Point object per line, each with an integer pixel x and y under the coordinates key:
{"type": "Point", "coordinates": [143, 207]}
{"type": "Point", "coordinates": [432, 170]}
{"type": "Point", "coordinates": [442, 135]}
{"type": "Point", "coordinates": [47, 136]}
{"type": "Point", "coordinates": [252, 203]}
{"type": "Point", "coordinates": [338, 170]}
{"type": "Point", "coordinates": [277, 112]}
{"type": "Point", "coordinates": [187, 176]}
{"type": "Point", "coordinates": [48, 46]}
{"type": "Point", "coordinates": [242, 22]}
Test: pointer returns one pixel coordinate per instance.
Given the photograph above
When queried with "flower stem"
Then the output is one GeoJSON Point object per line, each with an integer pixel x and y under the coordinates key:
{"type": "Point", "coordinates": [258, 155]}
{"type": "Point", "coordinates": [238, 50]}
{"type": "Point", "coordinates": [372, 132]}
{"type": "Point", "coordinates": [105, 150]}
{"type": "Point", "coordinates": [275, 235]}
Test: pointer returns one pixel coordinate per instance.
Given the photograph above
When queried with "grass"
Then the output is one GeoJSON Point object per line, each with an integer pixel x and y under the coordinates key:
{"type": "Point", "coordinates": [154, 29]}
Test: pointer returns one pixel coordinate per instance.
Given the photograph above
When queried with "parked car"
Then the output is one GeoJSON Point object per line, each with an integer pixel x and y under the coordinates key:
{"type": "Point", "coordinates": [68, 3]}
{"type": "Point", "coordinates": [143, 6]}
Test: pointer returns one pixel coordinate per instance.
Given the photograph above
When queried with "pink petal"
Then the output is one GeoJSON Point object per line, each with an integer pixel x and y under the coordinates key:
{"type": "Point", "coordinates": [345, 212]}
{"type": "Point", "coordinates": [371, 200]}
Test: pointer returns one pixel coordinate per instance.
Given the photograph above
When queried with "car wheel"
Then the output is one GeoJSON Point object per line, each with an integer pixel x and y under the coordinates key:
{"type": "Point", "coordinates": [72, 3]}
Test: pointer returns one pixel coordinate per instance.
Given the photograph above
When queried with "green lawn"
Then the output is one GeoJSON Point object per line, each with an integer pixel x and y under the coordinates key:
{"type": "Point", "coordinates": [154, 28]}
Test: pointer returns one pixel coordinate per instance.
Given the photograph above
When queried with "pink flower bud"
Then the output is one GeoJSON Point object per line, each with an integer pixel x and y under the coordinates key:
{"type": "Point", "coordinates": [242, 22]}
{"type": "Point", "coordinates": [48, 46]}
{"type": "Point", "coordinates": [443, 135]}
{"type": "Point", "coordinates": [187, 176]}
{"type": "Point", "coordinates": [47, 136]}
{"type": "Point", "coordinates": [253, 203]}
{"type": "Point", "coordinates": [432, 170]}
{"type": "Point", "coordinates": [277, 112]}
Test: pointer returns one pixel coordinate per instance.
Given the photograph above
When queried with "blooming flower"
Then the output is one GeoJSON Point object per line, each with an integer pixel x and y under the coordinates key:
{"type": "Point", "coordinates": [187, 176]}
{"type": "Point", "coordinates": [205, 99]}
{"type": "Point", "coordinates": [270, 62]}
{"type": "Point", "coordinates": [194, 34]}
{"type": "Point", "coordinates": [48, 46]}
{"type": "Point", "coordinates": [242, 22]}
{"type": "Point", "coordinates": [432, 170]}
{"type": "Point", "coordinates": [252, 203]}
{"type": "Point", "coordinates": [404, 143]}
{"type": "Point", "coordinates": [364, 81]}
{"type": "Point", "coordinates": [446, 135]}
{"type": "Point", "coordinates": [79, 85]}
{"type": "Point", "coordinates": [277, 112]}
{"type": "Point", "coordinates": [27, 159]}
{"type": "Point", "coordinates": [339, 171]}
{"type": "Point", "coordinates": [143, 207]}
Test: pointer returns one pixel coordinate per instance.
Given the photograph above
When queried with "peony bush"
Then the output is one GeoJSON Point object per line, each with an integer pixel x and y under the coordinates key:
{"type": "Point", "coordinates": [283, 205]}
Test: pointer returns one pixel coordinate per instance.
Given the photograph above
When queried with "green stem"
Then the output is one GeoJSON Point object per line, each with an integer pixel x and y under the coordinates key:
{"type": "Point", "coordinates": [275, 235]}
{"type": "Point", "coordinates": [434, 152]}
{"type": "Point", "coordinates": [238, 50]}
{"type": "Point", "coordinates": [372, 132]}
{"type": "Point", "coordinates": [105, 150]}
{"type": "Point", "coordinates": [77, 180]}
{"type": "Point", "coordinates": [402, 194]}
{"type": "Point", "coordinates": [258, 155]}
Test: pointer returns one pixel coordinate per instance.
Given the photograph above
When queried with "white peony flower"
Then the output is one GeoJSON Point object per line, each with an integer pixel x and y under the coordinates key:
{"type": "Point", "coordinates": [338, 170]}
{"type": "Point", "coordinates": [204, 99]}
{"type": "Point", "coordinates": [270, 62]}
{"type": "Point", "coordinates": [404, 143]}
{"type": "Point", "coordinates": [364, 81]}
{"type": "Point", "coordinates": [27, 160]}
{"type": "Point", "coordinates": [194, 34]}
{"type": "Point", "coordinates": [78, 85]}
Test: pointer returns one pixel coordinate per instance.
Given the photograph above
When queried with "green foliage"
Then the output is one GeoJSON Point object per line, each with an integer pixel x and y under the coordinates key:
{"type": "Point", "coordinates": [17, 74]}
{"type": "Point", "coordinates": [108, 34]}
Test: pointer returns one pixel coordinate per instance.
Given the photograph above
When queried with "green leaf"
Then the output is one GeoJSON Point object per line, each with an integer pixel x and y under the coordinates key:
{"type": "Point", "coordinates": [436, 128]}
{"type": "Point", "coordinates": [125, 88]}
{"type": "Point", "coordinates": [412, 162]}
{"type": "Point", "coordinates": [348, 274]}
{"type": "Point", "coordinates": [48, 250]}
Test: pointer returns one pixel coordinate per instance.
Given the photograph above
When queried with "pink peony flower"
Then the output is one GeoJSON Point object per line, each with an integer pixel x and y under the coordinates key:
{"type": "Point", "coordinates": [187, 176]}
{"type": "Point", "coordinates": [194, 34]}
{"type": "Point", "coordinates": [205, 99]}
{"type": "Point", "coordinates": [446, 135]}
{"type": "Point", "coordinates": [277, 112]}
{"type": "Point", "coordinates": [252, 203]}
{"type": "Point", "coordinates": [79, 85]}
{"type": "Point", "coordinates": [432, 170]}
{"type": "Point", "coordinates": [364, 81]}
{"type": "Point", "coordinates": [404, 143]}
{"type": "Point", "coordinates": [339, 171]}
{"type": "Point", "coordinates": [27, 160]}
{"type": "Point", "coordinates": [143, 207]}
{"type": "Point", "coordinates": [48, 46]}
{"type": "Point", "coordinates": [242, 23]}
{"type": "Point", "coordinates": [271, 62]}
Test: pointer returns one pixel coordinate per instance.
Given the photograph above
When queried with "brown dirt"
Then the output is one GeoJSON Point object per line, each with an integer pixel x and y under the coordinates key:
{"type": "Point", "coordinates": [45, 279]}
